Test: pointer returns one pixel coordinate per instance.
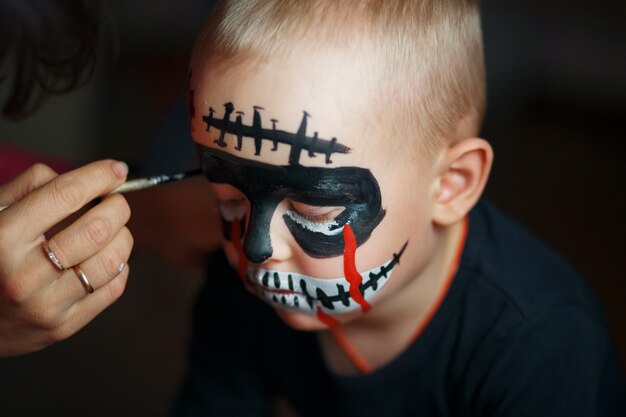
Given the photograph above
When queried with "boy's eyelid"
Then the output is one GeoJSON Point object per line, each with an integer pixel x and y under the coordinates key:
{"type": "Point", "coordinates": [309, 209]}
{"type": "Point", "coordinates": [316, 214]}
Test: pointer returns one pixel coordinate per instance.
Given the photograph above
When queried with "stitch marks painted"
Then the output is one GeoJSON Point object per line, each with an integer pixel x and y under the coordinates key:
{"type": "Point", "coordinates": [298, 141]}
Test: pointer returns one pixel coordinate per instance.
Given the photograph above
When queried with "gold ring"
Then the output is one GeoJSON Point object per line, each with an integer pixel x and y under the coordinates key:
{"type": "Point", "coordinates": [53, 258]}
{"type": "Point", "coordinates": [83, 280]}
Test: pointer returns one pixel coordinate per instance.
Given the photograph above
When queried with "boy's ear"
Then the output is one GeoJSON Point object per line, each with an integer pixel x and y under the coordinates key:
{"type": "Point", "coordinates": [463, 173]}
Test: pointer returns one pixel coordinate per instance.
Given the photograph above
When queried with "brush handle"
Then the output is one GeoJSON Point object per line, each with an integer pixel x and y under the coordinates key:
{"type": "Point", "coordinates": [148, 182]}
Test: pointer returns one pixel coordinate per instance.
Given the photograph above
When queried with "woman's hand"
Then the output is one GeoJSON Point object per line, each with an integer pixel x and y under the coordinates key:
{"type": "Point", "coordinates": [39, 303]}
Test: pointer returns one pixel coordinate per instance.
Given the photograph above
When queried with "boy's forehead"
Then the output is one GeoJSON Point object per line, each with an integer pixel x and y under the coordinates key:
{"type": "Point", "coordinates": [323, 104]}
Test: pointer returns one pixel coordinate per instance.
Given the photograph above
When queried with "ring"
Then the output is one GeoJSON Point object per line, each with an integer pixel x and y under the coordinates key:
{"type": "Point", "coordinates": [53, 258]}
{"type": "Point", "coordinates": [83, 279]}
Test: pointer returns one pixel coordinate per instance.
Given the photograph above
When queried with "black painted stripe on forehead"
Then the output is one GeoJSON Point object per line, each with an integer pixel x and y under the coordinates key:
{"type": "Point", "coordinates": [309, 185]}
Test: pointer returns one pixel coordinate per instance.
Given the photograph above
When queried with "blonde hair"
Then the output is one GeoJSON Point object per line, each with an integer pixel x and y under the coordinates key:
{"type": "Point", "coordinates": [428, 52]}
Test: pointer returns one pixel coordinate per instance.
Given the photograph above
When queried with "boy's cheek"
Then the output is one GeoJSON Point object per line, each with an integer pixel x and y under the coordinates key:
{"type": "Point", "coordinates": [320, 268]}
{"type": "Point", "coordinates": [229, 250]}
{"type": "Point", "coordinates": [238, 262]}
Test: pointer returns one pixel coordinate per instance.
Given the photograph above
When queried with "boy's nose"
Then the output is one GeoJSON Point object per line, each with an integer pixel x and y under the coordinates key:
{"type": "Point", "coordinates": [257, 247]}
{"type": "Point", "coordinates": [257, 244]}
{"type": "Point", "coordinates": [260, 243]}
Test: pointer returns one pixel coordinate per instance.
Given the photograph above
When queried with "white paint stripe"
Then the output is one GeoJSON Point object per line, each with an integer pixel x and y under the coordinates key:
{"type": "Point", "coordinates": [230, 213]}
{"type": "Point", "coordinates": [323, 228]}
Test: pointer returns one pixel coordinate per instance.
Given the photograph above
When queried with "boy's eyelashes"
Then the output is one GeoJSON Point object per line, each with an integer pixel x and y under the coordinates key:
{"type": "Point", "coordinates": [237, 207]}
{"type": "Point", "coordinates": [316, 214]}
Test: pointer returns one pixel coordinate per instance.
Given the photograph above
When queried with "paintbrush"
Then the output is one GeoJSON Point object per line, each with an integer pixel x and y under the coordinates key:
{"type": "Point", "coordinates": [149, 182]}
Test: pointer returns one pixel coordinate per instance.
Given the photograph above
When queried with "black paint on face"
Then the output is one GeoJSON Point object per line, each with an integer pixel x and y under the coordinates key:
{"type": "Point", "coordinates": [297, 142]}
{"type": "Point", "coordinates": [265, 186]}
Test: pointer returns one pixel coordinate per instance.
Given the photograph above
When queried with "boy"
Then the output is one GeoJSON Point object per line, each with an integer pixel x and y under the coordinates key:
{"type": "Point", "coordinates": [340, 141]}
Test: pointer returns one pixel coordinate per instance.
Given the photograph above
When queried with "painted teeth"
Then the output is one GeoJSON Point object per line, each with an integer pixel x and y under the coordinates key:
{"type": "Point", "coordinates": [332, 295]}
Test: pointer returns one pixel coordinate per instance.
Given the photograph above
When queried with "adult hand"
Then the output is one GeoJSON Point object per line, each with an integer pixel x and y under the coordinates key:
{"type": "Point", "coordinates": [39, 303]}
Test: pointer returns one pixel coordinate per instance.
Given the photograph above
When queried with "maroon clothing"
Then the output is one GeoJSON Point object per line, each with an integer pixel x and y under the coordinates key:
{"type": "Point", "coordinates": [13, 161]}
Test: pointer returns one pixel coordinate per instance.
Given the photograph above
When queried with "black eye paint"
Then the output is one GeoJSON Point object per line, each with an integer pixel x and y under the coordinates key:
{"type": "Point", "coordinates": [265, 186]}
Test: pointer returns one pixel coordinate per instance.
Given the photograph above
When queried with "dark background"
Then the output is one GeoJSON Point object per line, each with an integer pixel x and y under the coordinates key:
{"type": "Point", "coordinates": [556, 113]}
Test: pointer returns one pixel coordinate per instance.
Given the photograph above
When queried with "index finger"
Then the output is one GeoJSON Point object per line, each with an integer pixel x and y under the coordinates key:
{"type": "Point", "coordinates": [48, 205]}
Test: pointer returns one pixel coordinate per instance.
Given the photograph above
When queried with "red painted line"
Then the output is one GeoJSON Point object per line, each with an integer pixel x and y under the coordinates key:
{"type": "Point", "coordinates": [454, 266]}
{"type": "Point", "coordinates": [355, 357]}
{"type": "Point", "coordinates": [349, 268]}
{"type": "Point", "coordinates": [235, 238]}
{"type": "Point", "coordinates": [325, 318]}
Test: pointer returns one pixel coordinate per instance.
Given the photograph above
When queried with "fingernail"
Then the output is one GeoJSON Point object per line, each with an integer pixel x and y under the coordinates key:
{"type": "Point", "coordinates": [121, 267]}
{"type": "Point", "coordinates": [120, 169]}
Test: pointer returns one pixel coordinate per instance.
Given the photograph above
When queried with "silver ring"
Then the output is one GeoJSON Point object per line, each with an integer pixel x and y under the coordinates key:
{"type": "Point", "coordinates": [83, 280]}
{"type": "Point", "coordinates": [53, 258]}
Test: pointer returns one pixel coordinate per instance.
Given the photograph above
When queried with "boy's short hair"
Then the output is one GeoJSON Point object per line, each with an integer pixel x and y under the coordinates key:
{"type": "Point", "coordinates": [427, 53]}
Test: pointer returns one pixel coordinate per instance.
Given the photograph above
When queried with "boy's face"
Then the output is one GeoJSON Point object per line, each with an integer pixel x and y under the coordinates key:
{"type": "Point", "coordinates": [326, 214]}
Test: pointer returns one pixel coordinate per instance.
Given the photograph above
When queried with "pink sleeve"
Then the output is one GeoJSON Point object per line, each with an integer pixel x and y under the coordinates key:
{"type": "Point", "coordinates": [13, 161]}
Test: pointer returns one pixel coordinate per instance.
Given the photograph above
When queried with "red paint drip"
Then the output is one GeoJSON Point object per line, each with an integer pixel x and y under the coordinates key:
{"type": "Point", "coordinates": [325, 318]}
{"type": "Point", "coordinates": [349, 268]}
{"type": "Point", "coordinates": [235, 238]}
{"type": "Point", "coordinates": [454, 266]}
{"type": "Point", "coordinates": [355, 357]}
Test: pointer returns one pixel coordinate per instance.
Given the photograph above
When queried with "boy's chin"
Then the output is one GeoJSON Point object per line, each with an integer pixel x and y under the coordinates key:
{"type": "Point", "coordinates": [308, 322]}
{"type": "Point", "coordinates": [300, 321]}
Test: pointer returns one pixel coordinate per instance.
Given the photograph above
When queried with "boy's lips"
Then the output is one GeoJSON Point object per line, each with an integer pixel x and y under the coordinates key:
{"type": "Point", "coordinates": [275, 291]}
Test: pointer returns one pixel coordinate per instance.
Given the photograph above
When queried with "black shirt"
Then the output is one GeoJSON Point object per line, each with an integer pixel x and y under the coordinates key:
{"type": "Point", "coordinates": [518, 334]}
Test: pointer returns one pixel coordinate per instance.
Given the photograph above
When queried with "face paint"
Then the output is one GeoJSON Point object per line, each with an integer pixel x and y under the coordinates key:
{"type": "Point", "coordinates": [321, 297]}
{"type": "Point", "coordinates": [230, 213]}
{"type": "Point", "coordinates": [351, 194]}
{"type": "Point", "coordinates": [298, 141]}
{"type": "Point", "coordinates": [265, 186]}
{"type": "Point", "coordinates": [235, 237]}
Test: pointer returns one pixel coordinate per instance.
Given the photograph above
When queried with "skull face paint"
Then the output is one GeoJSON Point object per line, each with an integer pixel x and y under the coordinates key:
{"type": "Point", "coordinates": [297, 292]}
{"type": "Point", "coordinates": [350, 195]}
